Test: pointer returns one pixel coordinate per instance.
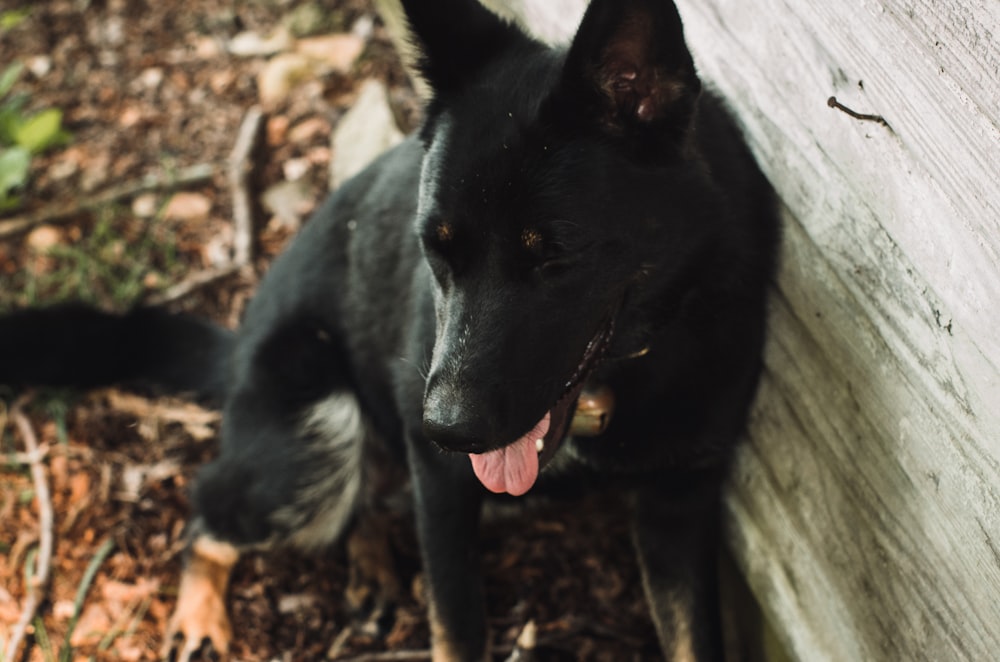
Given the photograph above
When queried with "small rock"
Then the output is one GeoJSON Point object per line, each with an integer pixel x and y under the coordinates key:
{"type": "Point", "coordinates": [39, 65]}
{"type": "Point", "coordinates": [295, 169]}
{"type": "Point", "coordinates": [144, 205]}
{"type": "Point", "coordinates": [151, 78]}
{"type": "Point", "coordinates": [43, 238]}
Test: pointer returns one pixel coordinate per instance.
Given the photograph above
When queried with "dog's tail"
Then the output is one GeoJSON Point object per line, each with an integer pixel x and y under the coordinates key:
{"type": "Point", "coordinates": [73, 345]}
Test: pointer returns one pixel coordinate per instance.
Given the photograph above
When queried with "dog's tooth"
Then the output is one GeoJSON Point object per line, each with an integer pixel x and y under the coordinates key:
{"type": "Point", "coordinates": [539, 445]}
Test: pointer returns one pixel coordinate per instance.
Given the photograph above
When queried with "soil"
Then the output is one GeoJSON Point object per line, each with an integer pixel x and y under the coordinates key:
{"type": "Point", "coordinates": [148, 89]}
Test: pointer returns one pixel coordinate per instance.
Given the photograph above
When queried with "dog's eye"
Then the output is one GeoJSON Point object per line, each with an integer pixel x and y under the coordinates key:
{"type": "Point", "coordinates": [555, 267]}
{"type": "Point", "coordinates": [440, 256]}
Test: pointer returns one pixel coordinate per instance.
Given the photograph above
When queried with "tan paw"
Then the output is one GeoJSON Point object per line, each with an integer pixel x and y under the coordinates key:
{"type": "Point", "coordinates": [199, 627]}
{"type": "Point", "coordinates": [198, 630]}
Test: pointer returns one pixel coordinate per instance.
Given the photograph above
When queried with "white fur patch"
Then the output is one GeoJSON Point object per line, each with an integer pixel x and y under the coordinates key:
{"type": "Point", "coordinates": [334, 432]}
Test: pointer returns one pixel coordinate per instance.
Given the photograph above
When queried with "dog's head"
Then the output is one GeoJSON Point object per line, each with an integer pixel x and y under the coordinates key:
{"type": "Point", "coordinates": [548, 214]}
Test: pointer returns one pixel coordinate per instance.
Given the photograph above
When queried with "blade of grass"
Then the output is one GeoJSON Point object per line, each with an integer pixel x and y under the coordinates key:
{"type": "Point", "coordinates": [134, 619]}
{"type": "Point", "coordinates": [43, 641]}
{"type": "Point", "coordinates": [105, 549]}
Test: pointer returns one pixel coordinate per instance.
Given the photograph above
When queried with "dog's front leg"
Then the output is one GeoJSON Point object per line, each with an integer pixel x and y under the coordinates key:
{"type": "Point", "coordinates": [448, 503]}
{"type": "Point", "coordinates": [676, 537]}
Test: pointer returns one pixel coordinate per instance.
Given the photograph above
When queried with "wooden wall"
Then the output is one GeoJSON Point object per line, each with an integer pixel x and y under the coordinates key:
{"type": "Point", "coordinates": [865, 508]}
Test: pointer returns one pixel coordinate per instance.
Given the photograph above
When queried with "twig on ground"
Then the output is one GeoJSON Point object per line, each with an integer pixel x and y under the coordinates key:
{"type": "Point", "coordinates": [524, 647]}
{"type": "Point", "coordinates": [188, 414]}
{"type": "Point", "coordinates": [27, 457]}
{"type": "Point", "coordinates": [241, 171]}
{"type": "Point", "coordinates": [36, 584]}
{"type": "Point", "coordinates": [419, 655]}
{"type": "Point", "coordinates": [64, 211]}
{"type": "Point", "coordinates": [191, 284]}
{"type": "Point", "coordinates": [390, 656]}
{"type": "Point", "coordinates": [242, 167]}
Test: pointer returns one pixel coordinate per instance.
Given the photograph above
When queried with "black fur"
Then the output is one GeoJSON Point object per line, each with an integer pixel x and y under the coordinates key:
{"type": "Point", "coordinates": [453, 287]}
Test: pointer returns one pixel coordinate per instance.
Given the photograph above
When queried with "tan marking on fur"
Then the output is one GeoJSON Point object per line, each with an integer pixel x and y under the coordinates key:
{"type": "Point", "coordinates": [683, 650]}
{"type": "Point", "coordinates": [219, 553]}
{"type": "Point", "coordinates": [371, 566]}
{"type": "Point", "coordinates": [201, 601]}
{"type": "Point", "coordinates": [445, 232]}
{"type": "Point", "coordinates": [443, 647]}
{"type": "Point", "coordinates": [532, 239]}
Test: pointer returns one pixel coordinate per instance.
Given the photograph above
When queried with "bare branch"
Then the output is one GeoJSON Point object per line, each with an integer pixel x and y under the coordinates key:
{"type": "Point", "coordinates": [64, 211]}
{"type": "Point", "coordinates": [38, 581]}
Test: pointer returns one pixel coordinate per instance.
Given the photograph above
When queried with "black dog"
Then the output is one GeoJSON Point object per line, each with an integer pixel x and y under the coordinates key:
{"type": "Point", "coordinates": [566, 221]}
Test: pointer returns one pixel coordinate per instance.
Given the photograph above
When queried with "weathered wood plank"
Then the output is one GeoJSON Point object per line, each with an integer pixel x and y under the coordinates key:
{"type": "Point", "coordinates": [876, 438]}
{"type": "Point", "coordinates": [865, 507]}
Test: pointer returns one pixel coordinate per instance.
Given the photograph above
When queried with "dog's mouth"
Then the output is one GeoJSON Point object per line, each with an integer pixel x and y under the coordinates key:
{"type": "Point", "coordinates": [514, 468]}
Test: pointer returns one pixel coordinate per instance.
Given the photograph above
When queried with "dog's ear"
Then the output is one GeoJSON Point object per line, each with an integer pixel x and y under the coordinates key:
{"type": "Point", "coordinates": [629, 71]}
{"type": "Point", "coordinates": [455, 38]}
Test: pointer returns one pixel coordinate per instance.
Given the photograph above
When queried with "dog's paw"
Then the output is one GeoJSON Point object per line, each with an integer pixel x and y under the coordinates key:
{"type": "Point", "coordinates": [199, 628]}
{"type": "Point", "coordinates": [373, 588]}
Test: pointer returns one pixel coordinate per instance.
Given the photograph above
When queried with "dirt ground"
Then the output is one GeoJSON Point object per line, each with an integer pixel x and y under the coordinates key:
{"type": "Point", "coordinates": [150, 90]}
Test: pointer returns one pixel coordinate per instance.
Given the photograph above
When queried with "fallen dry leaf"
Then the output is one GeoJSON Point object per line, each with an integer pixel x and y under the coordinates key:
{"type": "Point", "coordinates": [94, 623]}
{"type": "Point", "coordinates": [125, 593]}
{"type": "Point", "coordinates": [188, 206]}
{"type": "Point", "coordinates": [277, 130]}
{"type": "Point", "coordinates": [336, 51]}
{"type": "Point", "coordinates": [280, 75]}
{"type": "Point", "coordinates": [251, 44]}
{"type": "Point", "coordinates": [308, 129]}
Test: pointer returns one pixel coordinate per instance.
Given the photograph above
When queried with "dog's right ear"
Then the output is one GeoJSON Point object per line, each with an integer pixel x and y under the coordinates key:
{"type": "Point", "coordinates": [629, 74]}
{"type": "Point", "coordinates": [455, 39]}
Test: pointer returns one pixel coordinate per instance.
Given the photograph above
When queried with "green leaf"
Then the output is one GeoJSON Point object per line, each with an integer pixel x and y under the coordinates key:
{"type": "Point", "coordinates": [11, 18]}
{"type": "Point", "coordinates": [40, 131]}
{"type": "Point", "coordinates": [9, 77]}
{"type": "Point", "coordinates": [14, 163]}
{"type": "Point", "coordinates": [9, 120]}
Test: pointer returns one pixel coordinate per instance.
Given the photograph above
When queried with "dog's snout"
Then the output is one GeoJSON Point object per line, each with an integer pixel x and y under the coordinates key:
{"type": "Point", "coordinates": [454, 423]}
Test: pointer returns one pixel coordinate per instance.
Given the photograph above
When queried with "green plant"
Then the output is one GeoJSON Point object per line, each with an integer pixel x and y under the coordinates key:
{"type": "Point", "coordinates": [22, 135]}
{"type": "Point", "coordinates": [11, 18]}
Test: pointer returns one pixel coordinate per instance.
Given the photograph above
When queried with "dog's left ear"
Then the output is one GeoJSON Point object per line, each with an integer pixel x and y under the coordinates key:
{"type": "Point", "coordinates": [629, 72]}
{"type": "Point", "coordinates": [456, 39]}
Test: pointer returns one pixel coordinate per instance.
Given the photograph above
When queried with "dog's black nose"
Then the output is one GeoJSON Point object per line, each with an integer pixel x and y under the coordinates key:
{"type": "Point", "coordinates": [452, 423]}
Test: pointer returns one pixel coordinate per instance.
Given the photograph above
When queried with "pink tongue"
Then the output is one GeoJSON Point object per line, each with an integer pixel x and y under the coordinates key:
{"type": "Point", "coordinates": [512, 469]}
